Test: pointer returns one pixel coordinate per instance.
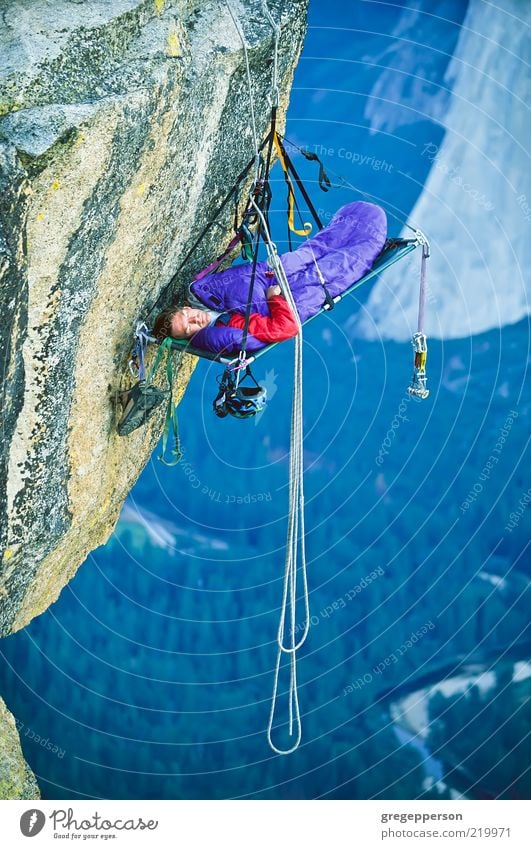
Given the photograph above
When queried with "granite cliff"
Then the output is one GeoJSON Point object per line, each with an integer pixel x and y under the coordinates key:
{"type": "Point", "coordinates": [121, 126]}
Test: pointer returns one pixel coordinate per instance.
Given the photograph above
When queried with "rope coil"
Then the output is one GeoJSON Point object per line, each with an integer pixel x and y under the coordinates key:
{"type": "Point", "coordinates": [295, 537]}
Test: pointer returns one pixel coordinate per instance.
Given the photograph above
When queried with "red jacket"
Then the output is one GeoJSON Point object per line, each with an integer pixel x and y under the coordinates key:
{"type": "Point", "coordinates": [276, 327]}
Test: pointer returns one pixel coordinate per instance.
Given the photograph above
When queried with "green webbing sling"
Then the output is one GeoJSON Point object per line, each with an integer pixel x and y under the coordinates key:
{"type": "Point", "coordinates": [170, 420]}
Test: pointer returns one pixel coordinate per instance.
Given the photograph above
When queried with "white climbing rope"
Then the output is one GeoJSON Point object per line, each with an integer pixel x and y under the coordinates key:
{"type": "Point", "coordinates": [274, 93]}
{"type": "Point", "coordinates": [295, 541]}
{"type": "Point", "coordinates": [295, 561]}
{"type": "Point", "coordinates": [250, 88]}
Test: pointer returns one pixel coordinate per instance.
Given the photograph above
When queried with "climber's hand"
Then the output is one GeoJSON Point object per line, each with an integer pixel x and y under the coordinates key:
{"type": "Point", "coordinates": [273, 290]}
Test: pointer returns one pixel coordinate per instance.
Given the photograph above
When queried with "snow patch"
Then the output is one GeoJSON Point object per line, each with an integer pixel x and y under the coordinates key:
{"type": "Point", "coordinates": [412, 711]}
{"type": "Point", "coordinates": [522, 671]}
{"type": "Point", "coordinates": [165, 534]}
{"type": "Point", "coordinates": [495, 580]}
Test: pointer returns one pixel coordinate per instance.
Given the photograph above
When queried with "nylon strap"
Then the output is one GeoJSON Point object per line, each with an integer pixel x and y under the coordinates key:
{"type": "Point", "coordinates": [302, 188]}
{"type": "Point", "coordinates": [324, 179]}
{"type": "Point", "coordinates": [292, 202]}
{"type": "Point", "coordinates": [247, 243]}
{"type": "Point", "coordinates": [230, 194]}
{"type": "Point", "coordinates": [165, 346]}
{"type": "Point", "coordinates": [307, 227]}
{"type": "Point", "coordinates": [170, 423]}
{"type": "Point", "coordinates": [213, 265]}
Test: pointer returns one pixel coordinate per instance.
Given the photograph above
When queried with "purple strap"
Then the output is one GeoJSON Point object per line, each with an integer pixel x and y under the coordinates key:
{"type": "Point", "coordinates": [213, 265]}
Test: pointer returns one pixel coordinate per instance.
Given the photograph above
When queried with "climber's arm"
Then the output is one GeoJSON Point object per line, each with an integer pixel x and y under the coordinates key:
{"type": "Point", "coordinates": [278, 326]}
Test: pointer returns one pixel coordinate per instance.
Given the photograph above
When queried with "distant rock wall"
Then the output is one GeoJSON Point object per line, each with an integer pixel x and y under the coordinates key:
{"type": "Point", "coordinates": [475, 206]}
{"type": "Point", "coordinates": [122, 126]}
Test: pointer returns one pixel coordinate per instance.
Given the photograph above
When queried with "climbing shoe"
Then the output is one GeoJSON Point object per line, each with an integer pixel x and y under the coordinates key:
{"type": "Point", "coordinates": [138, 405]}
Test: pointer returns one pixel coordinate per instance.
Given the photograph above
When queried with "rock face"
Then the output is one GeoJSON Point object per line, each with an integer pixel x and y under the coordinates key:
{"type": "Point", "coordinates": [16, 778]}
{"type": "Point", "coordinates": [475, 206]}
{"type": "Point", "coordinates": [123, 124]}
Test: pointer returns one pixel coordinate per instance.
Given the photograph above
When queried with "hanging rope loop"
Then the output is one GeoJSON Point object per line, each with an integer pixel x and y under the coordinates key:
{"type": "Point", "coordinates": [295, 561]}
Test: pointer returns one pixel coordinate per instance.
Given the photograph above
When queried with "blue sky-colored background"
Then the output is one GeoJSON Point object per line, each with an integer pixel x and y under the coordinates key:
{"type": "Point", "coordinates": [151, 676]}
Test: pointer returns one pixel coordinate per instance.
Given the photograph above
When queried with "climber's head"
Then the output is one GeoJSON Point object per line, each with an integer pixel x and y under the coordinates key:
{"type": "Point", "coordinates": [180, 323]}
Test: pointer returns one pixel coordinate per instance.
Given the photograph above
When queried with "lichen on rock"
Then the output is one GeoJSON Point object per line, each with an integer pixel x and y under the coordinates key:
{"type": "Point", "coordinates": [122, 125]}
{"type": "Point", "coordinates": [16, 778]}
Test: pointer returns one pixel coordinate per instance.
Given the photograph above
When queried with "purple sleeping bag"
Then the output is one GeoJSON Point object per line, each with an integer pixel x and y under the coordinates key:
{"type": "Point", "coordinates": [344, 250]}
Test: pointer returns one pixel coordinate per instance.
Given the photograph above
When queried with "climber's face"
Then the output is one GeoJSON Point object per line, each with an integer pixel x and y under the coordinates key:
{"type": "Point", "coordinates": [187, 321]}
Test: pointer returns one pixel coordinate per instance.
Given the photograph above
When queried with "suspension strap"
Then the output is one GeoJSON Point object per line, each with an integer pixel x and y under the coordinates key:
{"type": "Point", "coordinates": [422, 290]}
{"type": "Point", "coordinates": [213, 265]}
{"type": "Point", "coordinates": [418, 386]}
{"type": "Point", "coordinates": [259, 199]}
{"type": "Point", "coordinates": [250, 297]}
{"type": "Point", "coordinates": [247, 243]}
{"type": "Point", "coordinates": [170, 422]}
{"type": "Point", "coordinates": [230, 194]}
{"type": "Point", "coordinates": [292, 202]}
{"type": "Point", "coordinates": [260, 195]}
{"type": "Point", "coordinates": [302, 188]}
{"type": "Point", "coordinates": [324, 180]}
{"type": "Point", "coordinates": [267, 189]}
{"type": "Point", "coordinates": [307, 227]}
